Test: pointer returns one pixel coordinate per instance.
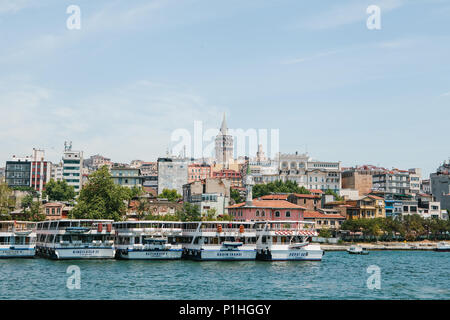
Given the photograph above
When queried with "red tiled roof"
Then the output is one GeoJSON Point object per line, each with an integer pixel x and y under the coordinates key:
{"type": "Point", "coordinates": [316, 214]}
{"type": "Point", "coordinates": [315, 191]}
{"type": "Point", "coordinates": [299, 195]}
{"type": "Point", "coordinates": [274, 197]}
{"type": "Point", "coordinates": [279, 204]}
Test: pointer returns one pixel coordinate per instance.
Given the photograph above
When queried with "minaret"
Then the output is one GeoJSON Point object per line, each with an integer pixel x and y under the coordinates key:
{"type": "Point", "coordinates": [249, 183]}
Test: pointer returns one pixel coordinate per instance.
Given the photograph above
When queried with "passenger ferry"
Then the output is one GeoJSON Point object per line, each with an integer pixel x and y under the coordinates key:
{"type": "Point", "coordinates": [75, 239]}
{"type": "Point", "coordinates": [219, 240]}
{"type": "Point", "coordinates": [17, 239]}
{"type": "Point", "coordinates": [286, 240]}
{"type": "Point", "coordinates": [151, 240]}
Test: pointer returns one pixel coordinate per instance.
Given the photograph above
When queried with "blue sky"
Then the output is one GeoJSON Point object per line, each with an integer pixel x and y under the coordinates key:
{"type": "Point", "coordinates": [138, 70]}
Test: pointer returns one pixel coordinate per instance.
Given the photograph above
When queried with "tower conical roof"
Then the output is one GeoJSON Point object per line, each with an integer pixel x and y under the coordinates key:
{"type": "Point", "coordinates": [223, 127]}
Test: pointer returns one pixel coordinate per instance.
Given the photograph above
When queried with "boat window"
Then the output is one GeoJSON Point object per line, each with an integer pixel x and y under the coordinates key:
{"type": "Point", "coordinates": [137, 240]}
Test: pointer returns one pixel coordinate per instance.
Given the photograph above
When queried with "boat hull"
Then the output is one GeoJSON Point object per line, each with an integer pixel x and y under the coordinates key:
{"type": "Point", "coordinates": [77, 253]}
{"type": "Point", "coordinates": [290, 255]}
{"type": "Point", "coordinates": [150, 254]}
{"type": "Point", "coordinates": [17, 253]}
{"type": "Point", "coordinates": [442, 249]}
{"type": "Point", "coordinates": [221, 255]}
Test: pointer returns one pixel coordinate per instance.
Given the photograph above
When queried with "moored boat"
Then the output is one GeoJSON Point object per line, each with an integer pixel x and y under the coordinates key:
{"type": "Point", "coordinates": [75, 239]}
{"type": "Point", "coordinates": [219, 240]}
{"type": "Point", "coordinates": [17, 239]}
{"type": "Point", "coordinates": [356, 249]}
{"type": "Point", "coordinates": [148, 240]}
{"type": "Point", "coordinates": [286, 240]}
{"type": "Point", "coordinates": [443, 247]}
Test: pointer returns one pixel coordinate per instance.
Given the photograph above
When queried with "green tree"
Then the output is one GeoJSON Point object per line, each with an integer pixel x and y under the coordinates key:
{"type": "Point", "coordinates": [190, 212]}
{"type": "Point", "coordinates": [210, 215]}
{"type": "Point", "coordinates": [135, 192]}
{"type": "Point", "coordinates": [170, 194]}
{"type": "Point", "coordinates": [7, 201]}
{"type": "Point", "coordinates": [100, 198]}
{"type": "Point", "coordinates": [278, 186]}
{"type": "Point", "coordinates": [235, 195]}
{"type": "Point", "coordinates": [334, 194]}
{"type": "Point", "coordinates": [142, 207]}
{"type": "Point", "coordinates": [225, 217]}
{"type": "Point", "coordinates": [325, 233]}
{"type": "Point", "coordinates": [59, 191]}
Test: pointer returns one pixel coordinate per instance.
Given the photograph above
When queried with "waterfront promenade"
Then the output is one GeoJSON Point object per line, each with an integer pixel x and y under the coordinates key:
{"type": "Point", "coordinates": [419, 245]}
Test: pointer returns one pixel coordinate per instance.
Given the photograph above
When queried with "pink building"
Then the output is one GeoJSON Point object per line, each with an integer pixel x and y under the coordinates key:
{"type": "Point", "coordinates": [197, 172]}
{"type": "Point", "coordinates": [266, 210]}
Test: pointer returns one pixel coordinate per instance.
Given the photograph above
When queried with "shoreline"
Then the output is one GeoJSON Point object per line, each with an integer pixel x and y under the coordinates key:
{"type": "Point", "coordinates": [418, 246]}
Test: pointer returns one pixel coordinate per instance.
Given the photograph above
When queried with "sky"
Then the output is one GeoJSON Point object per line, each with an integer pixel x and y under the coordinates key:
{"type": "Point", "coordinates": [136, 71]}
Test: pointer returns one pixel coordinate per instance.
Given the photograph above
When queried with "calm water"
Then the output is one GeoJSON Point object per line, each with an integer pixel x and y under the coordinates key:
{"type": "Point", "coordinates": [404, 275]}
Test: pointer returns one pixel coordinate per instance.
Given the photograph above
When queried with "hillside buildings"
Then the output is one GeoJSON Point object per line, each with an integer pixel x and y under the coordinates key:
{"type": "Point", "coordinates": [440, 185]}
{"type": "Point", "coordinates": [126, 176]}
{"type": "Point", "coordinates": [309, 173]}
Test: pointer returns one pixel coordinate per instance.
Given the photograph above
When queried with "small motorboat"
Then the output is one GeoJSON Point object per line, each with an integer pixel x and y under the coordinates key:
{"type": "Point", "coordinates": [443, 247]}
{"type": "Point", "coordinates": [354, 249]}
{"type": "Point", "coordinates": [77, 229]}
{"type": "Point", "coordinates": [298, 245]}
{"type": "Point", "coordinates": [230, 245]}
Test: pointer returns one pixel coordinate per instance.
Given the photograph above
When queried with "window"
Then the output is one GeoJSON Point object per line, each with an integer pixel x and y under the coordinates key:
{"type": "Point", "coordinates": [257, 213]}
{"type": "Point", "coordinates": [288, 214]}
{"type": "Point", "coordinates": [277, 214]}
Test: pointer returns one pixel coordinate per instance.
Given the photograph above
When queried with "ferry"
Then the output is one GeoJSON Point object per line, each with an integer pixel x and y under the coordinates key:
{"type": "Point", "coordinates": [149, 240]}
{"type": "Point", "coordinates": [17, 239]}
{"type": "Point", "coordinates": [75, 239]}
{"type": "Point", "coordinates": [286, 240]}
{"type": "Point", "coordinates": [219, 240]}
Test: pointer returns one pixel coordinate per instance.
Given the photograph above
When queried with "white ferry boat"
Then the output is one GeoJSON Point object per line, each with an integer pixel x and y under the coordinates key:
{"type": "Point", "coordinates": [75, 239]}
{"type": "Point", "coordinates": [219, 240]}
{"type": "Point", "coordinates": [17, 239]}
{"type": "Point", "coordinates": [286, 240]}
{"type": "Point", "coordinates": [151, 240]}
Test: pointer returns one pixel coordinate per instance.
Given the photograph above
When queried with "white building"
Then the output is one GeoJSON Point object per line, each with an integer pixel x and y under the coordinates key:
{"type": "Point", "coordinates": [57, 171]}
{"type": "Point", "coordinates": [72, 166]}
{"type": "Point", "coordinates": [172, 173]}
{"type": "Point", "coordinates": [309, 173]}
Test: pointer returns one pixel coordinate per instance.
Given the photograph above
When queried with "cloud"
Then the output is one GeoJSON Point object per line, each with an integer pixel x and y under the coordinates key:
{"type": "Point", "coordinates": [340, 15]}
{"type": "Point", "coordinates": [13, 6]}
{"type": "Point", "coordinates": [445, 94]}
{"type": "Point", "coordinates": [132, 121]}
{"type": "Point", "coordinates": [315, 56]}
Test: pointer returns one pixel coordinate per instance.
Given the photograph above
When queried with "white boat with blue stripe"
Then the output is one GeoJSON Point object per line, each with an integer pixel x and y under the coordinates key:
{"type": "Point", "coordinates": [148, 240]}
{"type": "Point", "coordinates": [75, 239]}
{"type": "Point", "coordinates": [17, 239]}
{"type": "Point", "coordinates": [219, 240]}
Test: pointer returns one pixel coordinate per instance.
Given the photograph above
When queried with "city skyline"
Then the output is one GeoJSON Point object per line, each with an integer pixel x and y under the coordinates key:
{"type": "Point", "coordinates": [333, 87]}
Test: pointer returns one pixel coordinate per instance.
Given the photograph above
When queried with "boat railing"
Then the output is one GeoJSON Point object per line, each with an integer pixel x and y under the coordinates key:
{"type": "Point", "coordinates": [32, 242]}
{"type": "Point", "coordinates": [235, 230]}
